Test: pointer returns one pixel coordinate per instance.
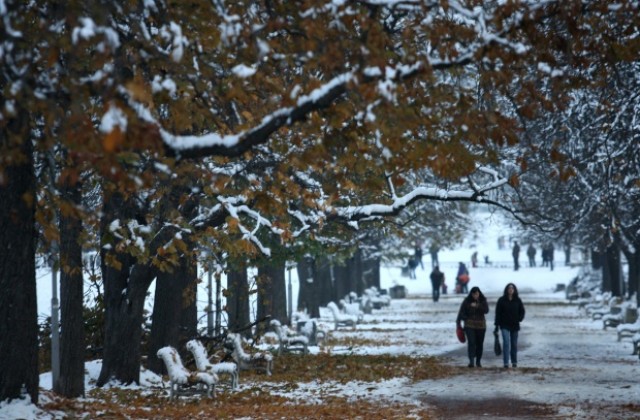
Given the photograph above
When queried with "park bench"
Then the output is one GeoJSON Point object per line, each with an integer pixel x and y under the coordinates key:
{"type": "Point", "coordinates": [627, 315]}
{"type": "Point", "coordinates": [341, 319]}
{"type": "Point", "coordinates": [203, 364]}
{"type": "Point", "coordinates": [628, 329]}
{"type": "Point", "coordinates": [636, 344]}
{"type": "Point", "coordinates": [183, 381]}
{"type": "Point", "coordinates": [289, 342]}
{"type": "Point", "coordinates": [259, 361]}
{"type": "Point", "coordinates": [611, 308]}
{"type": "Point", "coordinates": [377, 299]}
{"type": "Point", "coordinates": [351, 309]}
{"type": "Point", "coordinates": [309, 328]}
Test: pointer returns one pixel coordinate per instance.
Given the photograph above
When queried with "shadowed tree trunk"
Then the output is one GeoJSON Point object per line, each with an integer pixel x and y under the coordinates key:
{"type": "Point", "coordinates": [237, 295]}
{"type": "Point", "coordinates": [71, 380]}
{"type": "Point", "coordinates": [18, 307]}
{"type": "Point", "coordinates": [611, 271]}
{"type": "Point", "coordinates": [308, 292]}
{"type": "Point", "coordinates": [326, 291]}
{"type": "Point", "coordinates": [172, 296]}
{"type": "Point", "coordinates": [272, 293]}
{"type": "Point", "coordinates": [371, 272]}
{"type": "Point", "coordinates": [125, 288]}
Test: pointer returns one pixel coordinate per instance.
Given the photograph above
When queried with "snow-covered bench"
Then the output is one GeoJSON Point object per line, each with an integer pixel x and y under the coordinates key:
{"type": "Point", "coordinates": [259, 361]}
{"type": "Point", "coordinates": [598, 302]}
{"type": "Point", "coordinates": [628, 315]}
{"type": "Point", "coordinates": [183, 381]}
{"type": "Point", "coordinates": [340, 319]}
{"type": "Point", "coordinates": [377, 299]}
{"type": "Point", "coordinates": [308, 327]}
{"type": "Point", "coordinates": [289, 342]}
{"type": "Point", "coordinates": [351, 309]}
{"type": "Point", "coordinates": [203, 364]}
{"type": "Point", "coordinates": [636, 344]}
{"type": "Point", "coordinates": [628, 330]}
{"type": "Point", "coordinates": [611, 308]}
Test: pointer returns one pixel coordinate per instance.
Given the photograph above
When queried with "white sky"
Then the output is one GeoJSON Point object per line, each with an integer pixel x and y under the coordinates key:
{"type": "Point", "coordinates": [588, 366]}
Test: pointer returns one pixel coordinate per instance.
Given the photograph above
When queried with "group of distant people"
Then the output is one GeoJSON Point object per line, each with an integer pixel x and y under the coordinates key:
{"type": "Point", "coordinates": [547, 255]}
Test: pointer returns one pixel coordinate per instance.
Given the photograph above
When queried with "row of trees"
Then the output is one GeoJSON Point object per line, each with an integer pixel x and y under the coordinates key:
{"type": "Point", "coordinates": [272, 130]}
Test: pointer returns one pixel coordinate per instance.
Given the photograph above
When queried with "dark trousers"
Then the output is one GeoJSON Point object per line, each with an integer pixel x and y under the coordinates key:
{"type": "Point", "coordinates": [435, 289]}
{"type": "Point", "coordinates": [475, 343]}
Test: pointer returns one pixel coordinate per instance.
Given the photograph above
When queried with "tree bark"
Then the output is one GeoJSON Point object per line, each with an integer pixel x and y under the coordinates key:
{"type": "Point", "coordinates": [611, 271]}
{"type": "Point", "coordinates": [172, 321]}
{"type": "Point", "coordinates": [308, 293]}
{"type": "Point", "coordinates": [125, 287]}
{"type": "Point", "coordinates": [237, 295]}
{"type": "Point", "coordinates": [272, 293]}
{"type": "Point", "coordinates": [341, 281]}
{"type": "Point", "coordinates": [326, 291]}
{"type": "Point", "coordinates": [72, 343]}
{"type": "Point", "coordinates": [18, 304]}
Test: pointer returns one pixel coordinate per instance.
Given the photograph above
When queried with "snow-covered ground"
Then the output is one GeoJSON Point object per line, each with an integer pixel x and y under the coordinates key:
{"type": "Point", "coordinates": [565, 359]}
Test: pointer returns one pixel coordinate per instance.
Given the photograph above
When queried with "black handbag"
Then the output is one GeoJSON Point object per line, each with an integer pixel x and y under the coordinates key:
{"type": "Point", "coordinates": [497, 348]}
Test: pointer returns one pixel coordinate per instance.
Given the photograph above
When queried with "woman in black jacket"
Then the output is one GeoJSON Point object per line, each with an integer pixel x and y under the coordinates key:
{"type": "Point", "coordinates": [472, 312]}
{"type": "Point", "coordinates": [509, 315]}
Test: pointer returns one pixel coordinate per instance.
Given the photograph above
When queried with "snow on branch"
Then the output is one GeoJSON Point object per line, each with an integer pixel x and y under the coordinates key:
{"type": "Point", "coordinates": [399, 203]}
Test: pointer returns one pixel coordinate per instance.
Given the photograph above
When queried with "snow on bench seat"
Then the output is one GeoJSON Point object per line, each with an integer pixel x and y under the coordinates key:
{"type": "Point", "coordinates": [340, 319]}
{"type": "Point", "coordinates": [203, 364]}
{"type": "Point", "coordinates": [260, 361]}
{"type": "Point", "coordinates": [183, 381]}
{"type": "Point", "coordinates": [628, 330]}
{"type": "Point", "coordinates": [289, 342]}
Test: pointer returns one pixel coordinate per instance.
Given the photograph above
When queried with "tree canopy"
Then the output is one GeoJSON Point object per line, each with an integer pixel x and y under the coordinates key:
{"type": "Point", "coordinates": [223, 120]}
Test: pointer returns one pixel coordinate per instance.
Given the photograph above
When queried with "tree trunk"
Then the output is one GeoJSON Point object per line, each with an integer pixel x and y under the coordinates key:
{"type": "Point", "coordinates": [634, 274]}
{"type": "Point", "coordinates": [71, 380]}
{"type": "Point", "coordinates": [237, 295]}
{"type": "Point", "coordinates": [371, 273]}
{"type": "Point", "coordinates": [125, 288]}
{"type": "Point", "coordinates": [341, 282]}
{"type": "Point", "coordinates": [355, 273]}
{"type": "Point", "coordinates": [18, 305]}
{"type": "Point", "coordinates": [326, 291]}
{"type": "Point", "coordinates": [272, 292]}
{"type": "Point", "coordinates": [611, 271]}
{"type": "Point", "coordinates": [308, 294]}
{"type": "Point", "coordinates": [168, 304]}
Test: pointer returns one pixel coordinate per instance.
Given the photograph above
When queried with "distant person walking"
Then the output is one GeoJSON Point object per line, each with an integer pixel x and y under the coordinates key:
{"type": "Point", "coordinates": [437, 280]}
{"type": "Point", "coordinates": [531, 253]}
{"type": "Point", "coordinates": [472, 311]}
{"type": "Point", "coordinates": [550, 251]}
{"type": "Point", "coordinates": [417, 255]}
{"type": "Point", "coordinates": [412, 264]}
{"type": "Point", "coordinates": [462, 279]}
{"type": "Point", "coordinates": [516, 255]}
{"type": "Point", "coordinates": [474, 259]}
{"type": "Point", "coordinates": [509, 315]}
{"type": "Point", "coordinates": [433, 250]}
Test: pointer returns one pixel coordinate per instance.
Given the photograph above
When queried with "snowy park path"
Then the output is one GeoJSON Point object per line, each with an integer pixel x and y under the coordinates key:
{"type": "Point", "coordinates": [569, 367]}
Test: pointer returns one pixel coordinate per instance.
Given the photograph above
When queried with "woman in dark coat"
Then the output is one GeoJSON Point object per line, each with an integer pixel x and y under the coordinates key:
{"type": "Point", "coordinates": [509, 315]}
{"type": "Point", "coordinates": [472, 312]}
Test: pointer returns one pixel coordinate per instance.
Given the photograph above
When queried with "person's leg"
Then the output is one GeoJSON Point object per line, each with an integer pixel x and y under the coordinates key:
{"type": "Point", "coordinates": [436, 292]}
{"type": "Point", "coordinates": [506, 341]}
{"type": "Point", "coordinates": [479, 345]}
{"type": "Point", "coordinates": [471, 344]}
{"type": "Point", "coordinates": [514, 348]}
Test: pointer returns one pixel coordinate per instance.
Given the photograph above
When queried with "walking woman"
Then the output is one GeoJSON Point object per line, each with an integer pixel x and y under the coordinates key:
{"type": "Point", "coordinates": [509, 315]}
{"type": "Point", "coordinates": [472, 312]}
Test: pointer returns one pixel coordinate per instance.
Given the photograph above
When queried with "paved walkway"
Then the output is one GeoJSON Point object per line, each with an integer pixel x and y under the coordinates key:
{"type": "Point", "coordinates": [569, 367]}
